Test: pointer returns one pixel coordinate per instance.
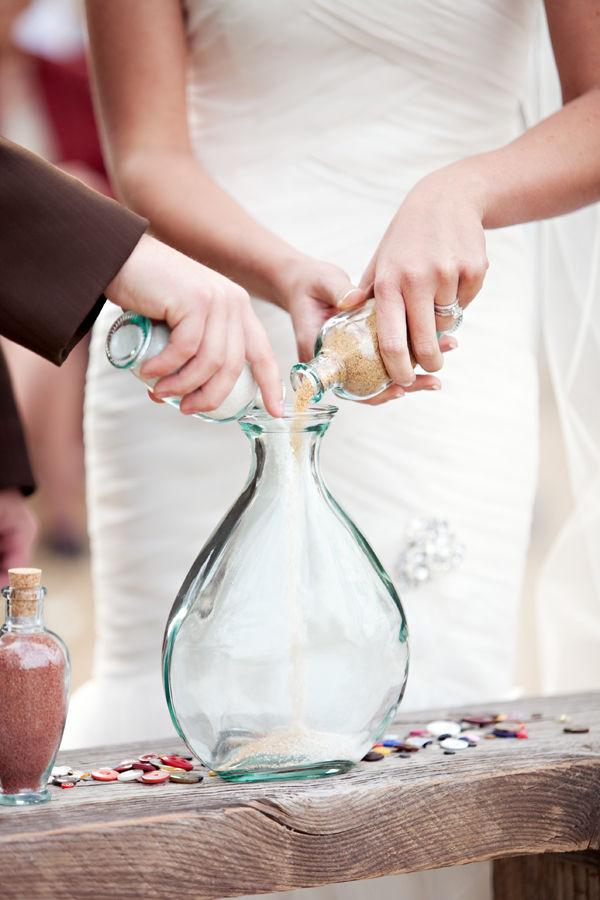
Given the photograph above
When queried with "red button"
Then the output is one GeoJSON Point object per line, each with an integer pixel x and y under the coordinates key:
{"type": "Point", "coordinates": [68, 784]}
{"type": "Point", "coordinates": [143, 766]}
{"type": "Point", "coordinates": [105, 775]}
{"type": "Point", "coordinates": [125, 765]}
{"type": "Point", "coordinates": [178, 762]}
{"type": "Point", "coordinates": [158, 776]}
{"type": "Point", "coordinates": [145, 757]}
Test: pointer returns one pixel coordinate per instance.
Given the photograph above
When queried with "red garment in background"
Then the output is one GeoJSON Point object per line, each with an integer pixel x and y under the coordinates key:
{"type": "Point", "coordinates": [65, 90]}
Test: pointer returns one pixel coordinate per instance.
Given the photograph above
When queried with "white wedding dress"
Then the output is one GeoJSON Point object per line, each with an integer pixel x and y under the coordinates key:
{"type": "Point", "coordinates": [318, 116]}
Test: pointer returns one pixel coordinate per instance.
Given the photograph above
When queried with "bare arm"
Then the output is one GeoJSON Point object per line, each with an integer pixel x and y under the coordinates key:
{"type": "Point", "coordinates": [553, 167]}
{"type": "Point", "coordinates": [139, 60]}
{"type": "Point", "coordinates": [434, 248]}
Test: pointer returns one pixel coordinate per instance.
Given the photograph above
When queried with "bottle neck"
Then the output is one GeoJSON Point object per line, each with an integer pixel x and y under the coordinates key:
{"type": "Point", "coordinates": [323, 372]}
{"type": "Point", "coordinates": [24, 610]}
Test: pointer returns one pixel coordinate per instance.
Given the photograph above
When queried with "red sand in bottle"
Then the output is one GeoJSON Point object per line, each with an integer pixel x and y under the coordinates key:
{"type": "Point", "coordinates": [33, 704]}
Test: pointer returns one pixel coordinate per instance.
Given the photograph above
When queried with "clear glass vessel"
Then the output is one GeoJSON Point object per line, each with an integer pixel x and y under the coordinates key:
{"type": "Point", "coordinates": [286, 653]}
{"type": "Point", "coordinates": [34, 685]}
{"type": "Point", "coordinates": [132, 339]}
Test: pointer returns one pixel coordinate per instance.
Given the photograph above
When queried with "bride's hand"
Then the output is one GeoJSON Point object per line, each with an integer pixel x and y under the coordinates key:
{"type": "Point", "coordinates": [432, 252]}
{"type": "Point", "coordinates": [312, 291]}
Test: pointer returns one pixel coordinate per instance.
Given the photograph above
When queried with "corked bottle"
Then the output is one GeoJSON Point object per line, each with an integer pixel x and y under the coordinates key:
{"type": "Point", "coordinates": [347, 360]}
{"type": "Point", "coordinates": [34, 683]}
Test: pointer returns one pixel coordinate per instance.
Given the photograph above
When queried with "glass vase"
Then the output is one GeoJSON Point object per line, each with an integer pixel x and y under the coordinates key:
{"type": "Point", "coordinates": [285, 654]}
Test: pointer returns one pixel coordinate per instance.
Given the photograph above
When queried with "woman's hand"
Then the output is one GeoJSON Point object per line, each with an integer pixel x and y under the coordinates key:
{"type": "Point", "coordinates": [214, 329]}
{"type": "Point", "coordinates": [432, 252]}
{"type": "Point", "coordinates": [312, 291]}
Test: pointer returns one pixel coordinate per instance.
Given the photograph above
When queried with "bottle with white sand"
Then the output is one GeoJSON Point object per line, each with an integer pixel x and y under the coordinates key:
{"type": "Point", "coordinates": [132, 339]}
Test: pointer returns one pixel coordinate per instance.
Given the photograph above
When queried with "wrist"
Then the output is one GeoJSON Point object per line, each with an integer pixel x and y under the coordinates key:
{"type": "Point", "coordinates": [121, 289]}
{"type": "Point", "coordinates": [463, 182]}
{"type": "Point", "coordinates": [281, 274]}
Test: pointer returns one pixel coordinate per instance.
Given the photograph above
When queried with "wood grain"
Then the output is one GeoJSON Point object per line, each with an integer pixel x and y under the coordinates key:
{"type": "Point", "coordinates": [568, 876]}
{"type": "Point", "coordinates": [504, 798]}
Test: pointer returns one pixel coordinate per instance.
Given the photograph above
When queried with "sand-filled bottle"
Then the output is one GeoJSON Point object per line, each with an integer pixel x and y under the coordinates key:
{"type": "Point", "coordinates": [347, 359]}
{"type": "Point", "coordinates": [34, 684]}
{"type": "Point", "coordinates": [132, 339]}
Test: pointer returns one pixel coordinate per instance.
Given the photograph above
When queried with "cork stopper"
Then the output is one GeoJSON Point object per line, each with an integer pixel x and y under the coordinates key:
{"type": "Point", "coordinates": [25, 584]}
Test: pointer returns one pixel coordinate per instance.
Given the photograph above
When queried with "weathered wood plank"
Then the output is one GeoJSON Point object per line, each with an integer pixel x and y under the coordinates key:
{"type": "Point", "coordinates": [551, 876]}
{"type": "Point", "coordinates": [503, 798]}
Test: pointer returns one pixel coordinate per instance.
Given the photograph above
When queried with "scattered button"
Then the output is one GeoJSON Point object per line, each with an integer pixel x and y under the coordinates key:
{"type": "Point", "coordinates": [371, 756]}
{"type": "Point", "coordinates": [155, 777]}
{"type": "Point", "coordinates": [443, 726]}
{"type": "Point", "coordinates": [481, 720]}
{"type": "Point", "coordinates": [508, 729]}
{"type": "Point", "coordinates": [129, 775]}
{"type": "Point", "coordinates": [178, 761]}
{"type": "Point", "coordinates": [62, 770]}
{"type": "Point", "coordinates": [146, 757]}
{"type": "Point", "coordinates": [185, 777]}
{"type": "Point", "coordinates": [144, 766]}
{"type": "Point", "coordinates": [454, 744]}
{"type": "Point", "coordinates": [418, 742]}
{"type": "Point", "coordinates": [125, 765]}
{"type": "Point", "coordinates": [576, 729]}
{"type": "Point", "coordinates": [105, 774]}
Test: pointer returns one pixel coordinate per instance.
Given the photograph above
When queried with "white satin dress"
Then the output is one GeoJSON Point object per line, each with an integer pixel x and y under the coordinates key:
{"type": "Point", "coordinates": [318, 116]}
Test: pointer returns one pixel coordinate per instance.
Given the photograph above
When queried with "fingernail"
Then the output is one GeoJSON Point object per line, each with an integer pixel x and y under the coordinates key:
{"type": "Point", "coordinates": [434, 387]}
{"type": "Point", "coordinates": [345, 299]}
{"type": "Point", "coordinates": [452, 344]}
{"type": "Point", "coordinates": [407, 384]}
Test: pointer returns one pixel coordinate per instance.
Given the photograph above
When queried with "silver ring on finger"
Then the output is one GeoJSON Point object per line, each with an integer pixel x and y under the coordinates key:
{"type": "Point", "coordinates": [453, 311]}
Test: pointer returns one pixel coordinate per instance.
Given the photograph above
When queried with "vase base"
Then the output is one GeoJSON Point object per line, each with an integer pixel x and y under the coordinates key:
{"type": "Point", "coordinates": [25, 798]}
{"type": "Point", "coordinates": [320, 770]}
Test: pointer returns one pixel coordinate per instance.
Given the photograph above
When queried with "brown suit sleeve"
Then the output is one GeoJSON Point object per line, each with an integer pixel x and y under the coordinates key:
{"type": "Point", "coordinates": [60, 245]}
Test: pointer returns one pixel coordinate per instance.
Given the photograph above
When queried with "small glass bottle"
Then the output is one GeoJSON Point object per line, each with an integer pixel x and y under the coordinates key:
{"type": "Point", "coordinates": [347, 358]}
{"type": "Point", "coordinates": [132, 339]}
{"type": "Point", "coordinates": [34, 685]}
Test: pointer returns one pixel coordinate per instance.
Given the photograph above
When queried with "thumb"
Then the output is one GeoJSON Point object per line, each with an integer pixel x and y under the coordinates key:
{"type": "Point", "coordinates": [338, 290]}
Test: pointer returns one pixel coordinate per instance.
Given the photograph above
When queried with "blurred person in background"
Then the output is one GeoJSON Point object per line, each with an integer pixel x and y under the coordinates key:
{"type": "Point", "coordinates": [45, 106]}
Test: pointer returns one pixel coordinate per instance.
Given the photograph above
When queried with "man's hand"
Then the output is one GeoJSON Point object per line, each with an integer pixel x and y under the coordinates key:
{"type": "Point", "coordinates": [17, 531]}
{"type": "Point", "coordinates": [214, 328]}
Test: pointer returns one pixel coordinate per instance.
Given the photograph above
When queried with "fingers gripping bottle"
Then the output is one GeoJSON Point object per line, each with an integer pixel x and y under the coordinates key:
{"type": "Point", "coordinates": [132, 339]}
{"type": "Point", "coordinates": [347, 359]}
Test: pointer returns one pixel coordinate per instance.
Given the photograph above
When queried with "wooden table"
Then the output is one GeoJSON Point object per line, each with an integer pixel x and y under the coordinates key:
{"type": "Point", "coordinates": [532, 805]}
